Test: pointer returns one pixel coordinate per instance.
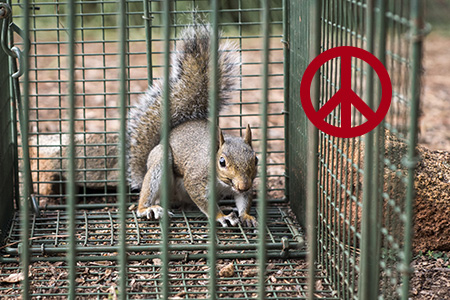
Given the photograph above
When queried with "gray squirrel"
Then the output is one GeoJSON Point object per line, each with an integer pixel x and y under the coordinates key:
{"type": "Point", "coordinates": [189, 138]}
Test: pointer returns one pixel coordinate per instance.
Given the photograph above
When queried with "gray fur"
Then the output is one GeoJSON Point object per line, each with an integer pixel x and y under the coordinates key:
{"type": "Point", "coordinates": [189, 86]}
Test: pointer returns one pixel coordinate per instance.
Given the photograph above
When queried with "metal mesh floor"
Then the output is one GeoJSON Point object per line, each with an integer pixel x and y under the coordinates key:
{"type": "Point", "coordinates": [97, 236]}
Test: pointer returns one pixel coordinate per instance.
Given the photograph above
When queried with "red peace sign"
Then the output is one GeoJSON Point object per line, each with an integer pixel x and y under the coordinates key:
{"type": "Point", "coordinates": [345, 96]}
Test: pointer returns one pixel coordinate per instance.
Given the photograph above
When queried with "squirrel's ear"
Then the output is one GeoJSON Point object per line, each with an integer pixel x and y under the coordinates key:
{"type": "Point", "coordinates": [221, 139]}
{"type": "Point", "coordinates": [248, 135]}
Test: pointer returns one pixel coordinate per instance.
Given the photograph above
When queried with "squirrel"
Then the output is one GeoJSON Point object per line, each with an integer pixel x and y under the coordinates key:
{"type": "Point", "coordinates": [189, 138]}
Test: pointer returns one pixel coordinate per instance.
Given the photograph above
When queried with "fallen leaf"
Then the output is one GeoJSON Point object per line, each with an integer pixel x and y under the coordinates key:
{"type": "Point", "coordinates": [112, 292]}
{"type": "Point", "coordinates": [180, 295]}
{"type": "Point", "coordinates": [133, 281]}
{"type": "Point", "coordinates": [250, 273]}
{"type": "Point", "coordinates": [227, 271]}
{"type": "Point", "coordinates": [13, 278]}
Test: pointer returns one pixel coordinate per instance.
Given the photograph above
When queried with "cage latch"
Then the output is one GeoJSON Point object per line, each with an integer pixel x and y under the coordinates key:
{"type": "Point", "coordinates": [285, 43]}
{"type": "Point", "coordinates": [14, 52]}
{"type": "Point", "coordinates": [285, 247]}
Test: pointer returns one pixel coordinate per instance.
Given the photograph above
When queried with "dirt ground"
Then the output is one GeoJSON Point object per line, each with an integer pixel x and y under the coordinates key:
{"type": "Point", "coordinates": [435, 121]}
{"type": "Point", "coordinates": [431, 277]}
{"type": "Point", "coordinates": [431, 269]}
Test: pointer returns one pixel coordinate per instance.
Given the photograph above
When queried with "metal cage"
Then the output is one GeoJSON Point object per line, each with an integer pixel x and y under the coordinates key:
{"type": "Point", "coordinates": [67, 216]}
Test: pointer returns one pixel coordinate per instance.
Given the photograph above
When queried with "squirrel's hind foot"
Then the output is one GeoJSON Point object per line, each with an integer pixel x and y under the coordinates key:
{"type": "Point", "coordinates": [154, 212]}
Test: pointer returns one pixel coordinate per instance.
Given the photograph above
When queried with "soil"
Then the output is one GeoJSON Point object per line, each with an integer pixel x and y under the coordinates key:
{"type": "Point", "coordinates": [235, 279]}
{"type": "Point", "coordinates": [432, 206]}
{"type": "Point", "coordinates": [435, 121]}
{"type": "Point", "coordinates": [431, 276]}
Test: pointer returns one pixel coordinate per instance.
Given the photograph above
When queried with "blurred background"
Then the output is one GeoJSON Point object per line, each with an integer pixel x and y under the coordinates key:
{"type": "Point", "coordinates": [435, 121]}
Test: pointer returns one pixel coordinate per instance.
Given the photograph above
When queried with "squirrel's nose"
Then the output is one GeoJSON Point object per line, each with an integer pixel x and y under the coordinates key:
{"type": "Point", "coordinates": [243, 186]}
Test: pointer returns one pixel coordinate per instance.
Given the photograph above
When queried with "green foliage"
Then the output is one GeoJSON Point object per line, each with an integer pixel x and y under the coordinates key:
{"type": "Point", "coordinates": [437, 12]}
{"type": "Point", "coordinates": [94, 14]}
{"type": "Point", "coordinates": [437, 255]}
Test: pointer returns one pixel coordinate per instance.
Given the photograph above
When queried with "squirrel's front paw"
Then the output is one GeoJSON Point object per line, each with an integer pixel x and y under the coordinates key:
{"type": "Point", "coordinates": [248, 220]}
{"type": "Point", "coordinates": [154, 212]}
{"type": "Point", "coordinates": [226, 220]}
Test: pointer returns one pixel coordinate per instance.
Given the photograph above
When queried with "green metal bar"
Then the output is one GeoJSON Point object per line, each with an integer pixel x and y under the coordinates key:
{"type": "Point", "coordinates": [369, 264]}
{"type": "Point", "coordinates": [25, 223]}
{"type": "Point", "coordinates": [223, 255]}
{"type": "Point", "coordinates": [320, 207]}
{"type": "Point", "coordinates": [340, 251]}
{"type": "Point", "coordinates": [104, 205]}
{"type": "Point", "coordinates": [335, 120]}
{"type": "Point", "coordinates": [122, 188]}
{"type": "Point", "coordinates": [104, 85]}
{"type": "Point", "coordinates": [262, 201]}
{"type": "Point", "coordinates": [15, 90]}
{"type": "Point", "coordinates": [213, 119]}
{"type": "Point", "coordinates": [354, 176]}
{"type": "Point", "coordinates": [312, 167]}
{"type": "Point", "coordinates": [240, 103]}
{"type": "Point", "coordinates": [379, 141]}
{"type": "Point", "coordinates": [71, 200]}
{"type": "Point", "coordinates": [7, 145]}
{"type": "Point", "coordinates": [155, 248]}
{"type": "Point", "coordinates": [18, 99]}
{"type": "Point", "coordinates": [165, 192]}
{"type": "Point", "coordinates": [61, 69]}
{"type": "Point", "coordinates": [286, 79]}
{"type": "Point", "coordinates": [325, 205]}
{"type": "Point", "coordinates": [417, 35]}
{"type": "Point", "coordinates": [148, 38]}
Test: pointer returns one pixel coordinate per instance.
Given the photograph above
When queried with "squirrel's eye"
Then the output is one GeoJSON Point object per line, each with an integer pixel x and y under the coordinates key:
{"type": "Point", "coordinates": [256, 160]}
{"type": "Point", "coordinates": [222, 162]}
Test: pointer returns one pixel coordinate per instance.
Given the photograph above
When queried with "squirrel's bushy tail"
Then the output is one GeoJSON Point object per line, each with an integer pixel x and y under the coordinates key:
{"type": "Point", "coordinates": [189, 86]}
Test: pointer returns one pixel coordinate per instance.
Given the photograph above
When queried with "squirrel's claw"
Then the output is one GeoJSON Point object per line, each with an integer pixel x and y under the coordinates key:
{"type": "Point", "coordinates": [248, 220]}
{"type": "Point", "coordinates": [226, 220]}
{"type": "Point", "coordinates": [154, 212]}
